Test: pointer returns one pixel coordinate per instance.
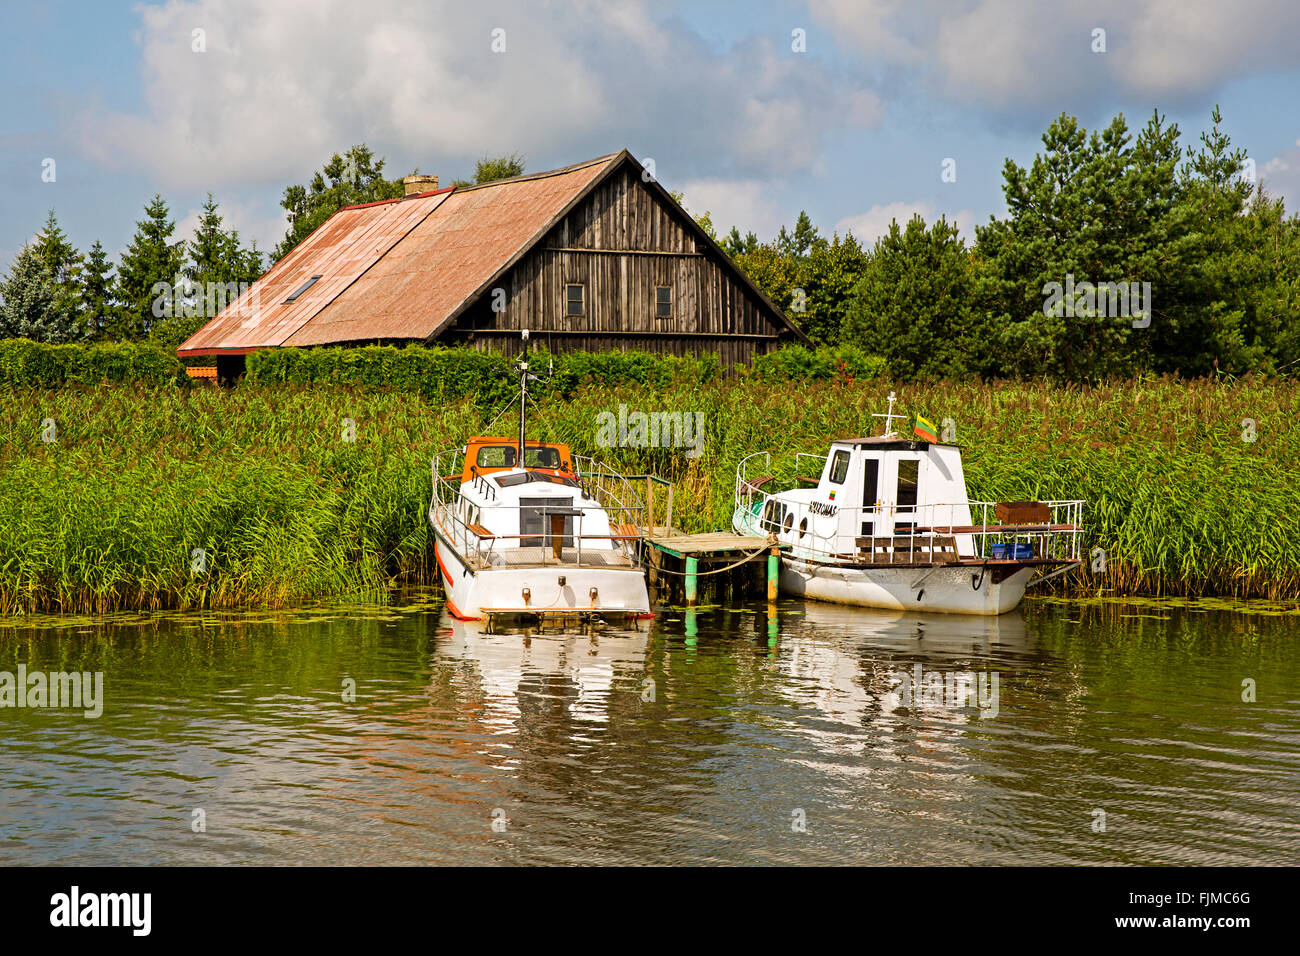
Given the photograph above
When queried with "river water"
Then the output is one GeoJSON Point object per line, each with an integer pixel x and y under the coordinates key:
{"type": "Point", "coordinates": [1097, 734]}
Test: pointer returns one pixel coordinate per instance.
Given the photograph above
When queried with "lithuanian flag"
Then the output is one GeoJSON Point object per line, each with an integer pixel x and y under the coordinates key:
{"type": "Point", "coordinates": [925, 429]}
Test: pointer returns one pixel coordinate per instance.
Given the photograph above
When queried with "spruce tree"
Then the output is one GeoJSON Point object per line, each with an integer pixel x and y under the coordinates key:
{"type": "Point", "coordinates": [28, 309]}
{"type": "Point", "coordinates": [97, 293]}
{"type": "Point", "coordinates": [150, 259]}
{"type": "Point", "coordinates": [64, 265]}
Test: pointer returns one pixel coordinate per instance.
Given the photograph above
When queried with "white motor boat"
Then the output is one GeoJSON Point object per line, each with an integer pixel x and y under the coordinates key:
{"type": "Point", "coordinates": [529, 530]}
{"type": "Point", "coordinates": [888, 525]}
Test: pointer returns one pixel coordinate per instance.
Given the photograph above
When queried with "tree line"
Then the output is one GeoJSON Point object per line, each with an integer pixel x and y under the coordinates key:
{"type": "Point", "coordinates": [1119, 254]}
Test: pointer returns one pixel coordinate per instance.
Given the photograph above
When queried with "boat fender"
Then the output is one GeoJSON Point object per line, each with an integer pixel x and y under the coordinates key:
{"type": "Point", "coordinates": [920, 594]}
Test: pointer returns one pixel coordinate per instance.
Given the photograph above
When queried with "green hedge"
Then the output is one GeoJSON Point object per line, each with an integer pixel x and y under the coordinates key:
{"type": "Point", "coordinates": [24, 363]}
{"type": "Point", "coordinates": [451, 373]}
{"type": "Point", "coordinates": [825, 362]}
{"type": "Point", "coordinates": [436, 373]}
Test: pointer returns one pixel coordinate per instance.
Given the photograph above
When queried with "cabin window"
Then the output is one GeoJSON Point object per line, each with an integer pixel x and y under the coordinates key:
{"type": "Point", "coordinates": [839, 467]}
{"type": "Point", "coordinates": [541, 458]}
{"type": "Point", "coordinates": [907, 478]}
{"type": "Point", "coordinates": [663, 302]}
{"type": "Point", "coordinates": [803, 527]}
{"type": "Point", "coordinates": [788, 523]}
{"type": "Point", "coordinates": [496, 456]}
{"type": "Point", "coordinates": [908, 470]}
{"type": "Point", "coordinates": [300, 290]}
{"type": "Point", "coordinates": [573, 299]}
{"type": "Point", "coordinates": [870, 491]}
{"type": "Point", "coordinates": [773, 514]}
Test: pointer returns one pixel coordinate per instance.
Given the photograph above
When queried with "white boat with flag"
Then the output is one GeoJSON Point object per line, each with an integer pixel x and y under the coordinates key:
{"type": "Point", "coordinates": [887, 524]}
{"type": "Point", "coordinates": [526, 529]}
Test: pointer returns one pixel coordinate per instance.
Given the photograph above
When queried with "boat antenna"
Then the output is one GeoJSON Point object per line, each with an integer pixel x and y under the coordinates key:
{"type": "Point", "coordinates": [888, 416]}
{"type": "Point", "coordinates": [522, 368]}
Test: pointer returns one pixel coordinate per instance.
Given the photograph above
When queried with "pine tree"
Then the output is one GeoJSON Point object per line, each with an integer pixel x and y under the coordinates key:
{"type": "Point", "coordinates": [29, 310]}
{"type": "Point", "coordinates": [64, 265]}
{"type": "Point", "coordinates": [97, 293]}
{"type": "Point", "coordinates": [913, 304]}
{"type": "Point", "coordinates": [150, 259]}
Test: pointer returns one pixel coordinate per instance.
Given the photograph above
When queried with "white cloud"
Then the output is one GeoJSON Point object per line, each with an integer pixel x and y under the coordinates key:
{"type": "Point", "coordinates": [869, 226]}
{"type": "Point", "coordinates": [1007, 54]}
{"type": "Point", "coordinates": [747, 204]}
{"type": "Point", "coordinates": [282, 86]}
{"type": "Point", "coordinates": [1280, 176]}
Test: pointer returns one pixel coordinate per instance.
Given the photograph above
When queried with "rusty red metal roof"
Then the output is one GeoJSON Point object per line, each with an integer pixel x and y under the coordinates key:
{"type": "Point", "coordinates": [397, 269]}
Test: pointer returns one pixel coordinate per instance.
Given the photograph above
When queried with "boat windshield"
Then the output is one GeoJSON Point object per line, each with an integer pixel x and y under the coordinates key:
{"type": "Point", "coordinates": [509, 481]}
{"type": "Point", "coordinates": [503, 456]}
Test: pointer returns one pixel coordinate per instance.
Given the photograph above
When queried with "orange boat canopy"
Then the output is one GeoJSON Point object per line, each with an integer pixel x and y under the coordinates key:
{"type": "Point", "coordinates": [485, 455]}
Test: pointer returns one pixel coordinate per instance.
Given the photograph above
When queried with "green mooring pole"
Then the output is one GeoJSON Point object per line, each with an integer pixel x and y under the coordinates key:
{"type": "Point", "coordinates": [773, 563]}
{"type": "Point", "coordinates": [692, 569]}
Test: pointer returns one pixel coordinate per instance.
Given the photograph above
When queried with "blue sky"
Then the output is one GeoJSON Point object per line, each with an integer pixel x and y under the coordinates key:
{"type": "Point", "coordinates": [854, 129]}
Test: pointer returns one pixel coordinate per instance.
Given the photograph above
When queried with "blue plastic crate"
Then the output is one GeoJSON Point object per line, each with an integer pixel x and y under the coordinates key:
{"type": "Point", "coordinates": [1011, 552]}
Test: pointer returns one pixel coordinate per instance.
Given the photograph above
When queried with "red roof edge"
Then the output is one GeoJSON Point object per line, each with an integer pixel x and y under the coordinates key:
{"type": "Point", "coordinates": [382, 202]}
{"type": "Point", "coordinates": [194, 353]}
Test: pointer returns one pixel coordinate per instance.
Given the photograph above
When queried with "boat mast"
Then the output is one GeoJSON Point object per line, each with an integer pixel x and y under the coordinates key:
{"type": "Point", "coordinates": [888, 417]}
{"type": "Point", "coordinates": [523, 396]}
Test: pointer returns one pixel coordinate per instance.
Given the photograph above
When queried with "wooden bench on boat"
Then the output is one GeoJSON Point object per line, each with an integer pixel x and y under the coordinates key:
{"type": "Point", "coordinates": [1022, 512]}
{"type": "Point", "coordinates": [936, 549]}
{"type": "Point", "coordinates": [756, 484]}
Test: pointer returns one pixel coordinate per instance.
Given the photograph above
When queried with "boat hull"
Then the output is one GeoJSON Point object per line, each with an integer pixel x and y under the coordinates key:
{"type": "Point", "coordinates": [948, 589]}
{"type": "Point", "coordinates": [476, 594]}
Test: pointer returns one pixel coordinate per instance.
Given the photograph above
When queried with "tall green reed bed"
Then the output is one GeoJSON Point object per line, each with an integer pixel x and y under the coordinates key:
{"type": "Point", "coordinates": [264, 481]}
{"type": "Point", "coordinates": [285, 509]}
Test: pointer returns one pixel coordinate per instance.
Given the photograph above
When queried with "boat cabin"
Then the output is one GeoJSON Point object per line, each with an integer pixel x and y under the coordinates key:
{"type": "Point", "coordinates": [486, 455]}
{"type": "Point", "coordinates": [871, 493]}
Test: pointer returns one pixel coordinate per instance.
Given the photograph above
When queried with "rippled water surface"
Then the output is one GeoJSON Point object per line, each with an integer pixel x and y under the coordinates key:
{"type": "Point", "coordinates": [728, 735]}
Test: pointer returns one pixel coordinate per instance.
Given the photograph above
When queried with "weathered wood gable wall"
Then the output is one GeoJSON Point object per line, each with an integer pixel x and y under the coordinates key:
{"type": "Point", "coordinates": [620, 243]}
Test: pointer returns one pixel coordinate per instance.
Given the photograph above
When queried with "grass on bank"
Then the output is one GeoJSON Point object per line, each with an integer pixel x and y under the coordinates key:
{"type": "Point", "coordinates": [109, 514]}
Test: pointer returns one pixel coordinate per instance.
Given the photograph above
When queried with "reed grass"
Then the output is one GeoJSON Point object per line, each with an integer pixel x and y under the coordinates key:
{"type": "Point", "coordinates": [107, 517]}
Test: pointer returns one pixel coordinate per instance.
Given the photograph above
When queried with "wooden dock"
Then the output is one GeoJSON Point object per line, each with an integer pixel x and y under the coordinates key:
{"type": "Point", "coordinates": [718, 552]}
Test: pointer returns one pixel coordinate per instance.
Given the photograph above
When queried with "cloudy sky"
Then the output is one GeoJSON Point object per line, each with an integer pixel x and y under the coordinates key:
{"type": "Point", "coordinates": [846, 108]}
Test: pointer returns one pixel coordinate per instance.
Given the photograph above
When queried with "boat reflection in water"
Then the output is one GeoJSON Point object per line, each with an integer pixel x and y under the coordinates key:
{"type": "Point", "coordinates": [855, 666]}
{"type": "Point", "coordinates": [531, 670]}
{"type": "Point", "coordinates": [874, 668]}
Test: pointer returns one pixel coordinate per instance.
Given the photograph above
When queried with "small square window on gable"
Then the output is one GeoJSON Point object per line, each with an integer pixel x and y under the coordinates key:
{"type": "Point", "coordinates": [663, 302]}
{"type": "Point", "coordinates": [301, 289]}
{"type": "Point", "coordinates": [573, 300]}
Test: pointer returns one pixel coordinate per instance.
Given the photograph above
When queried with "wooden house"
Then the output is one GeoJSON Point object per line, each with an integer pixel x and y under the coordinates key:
{"type": "Point", "coordinates": [593, 257]}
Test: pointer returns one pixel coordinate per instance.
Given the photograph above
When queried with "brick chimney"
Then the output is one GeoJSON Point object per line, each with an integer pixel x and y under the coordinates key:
{"type": "Point", "coordinates": [420, 184]}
